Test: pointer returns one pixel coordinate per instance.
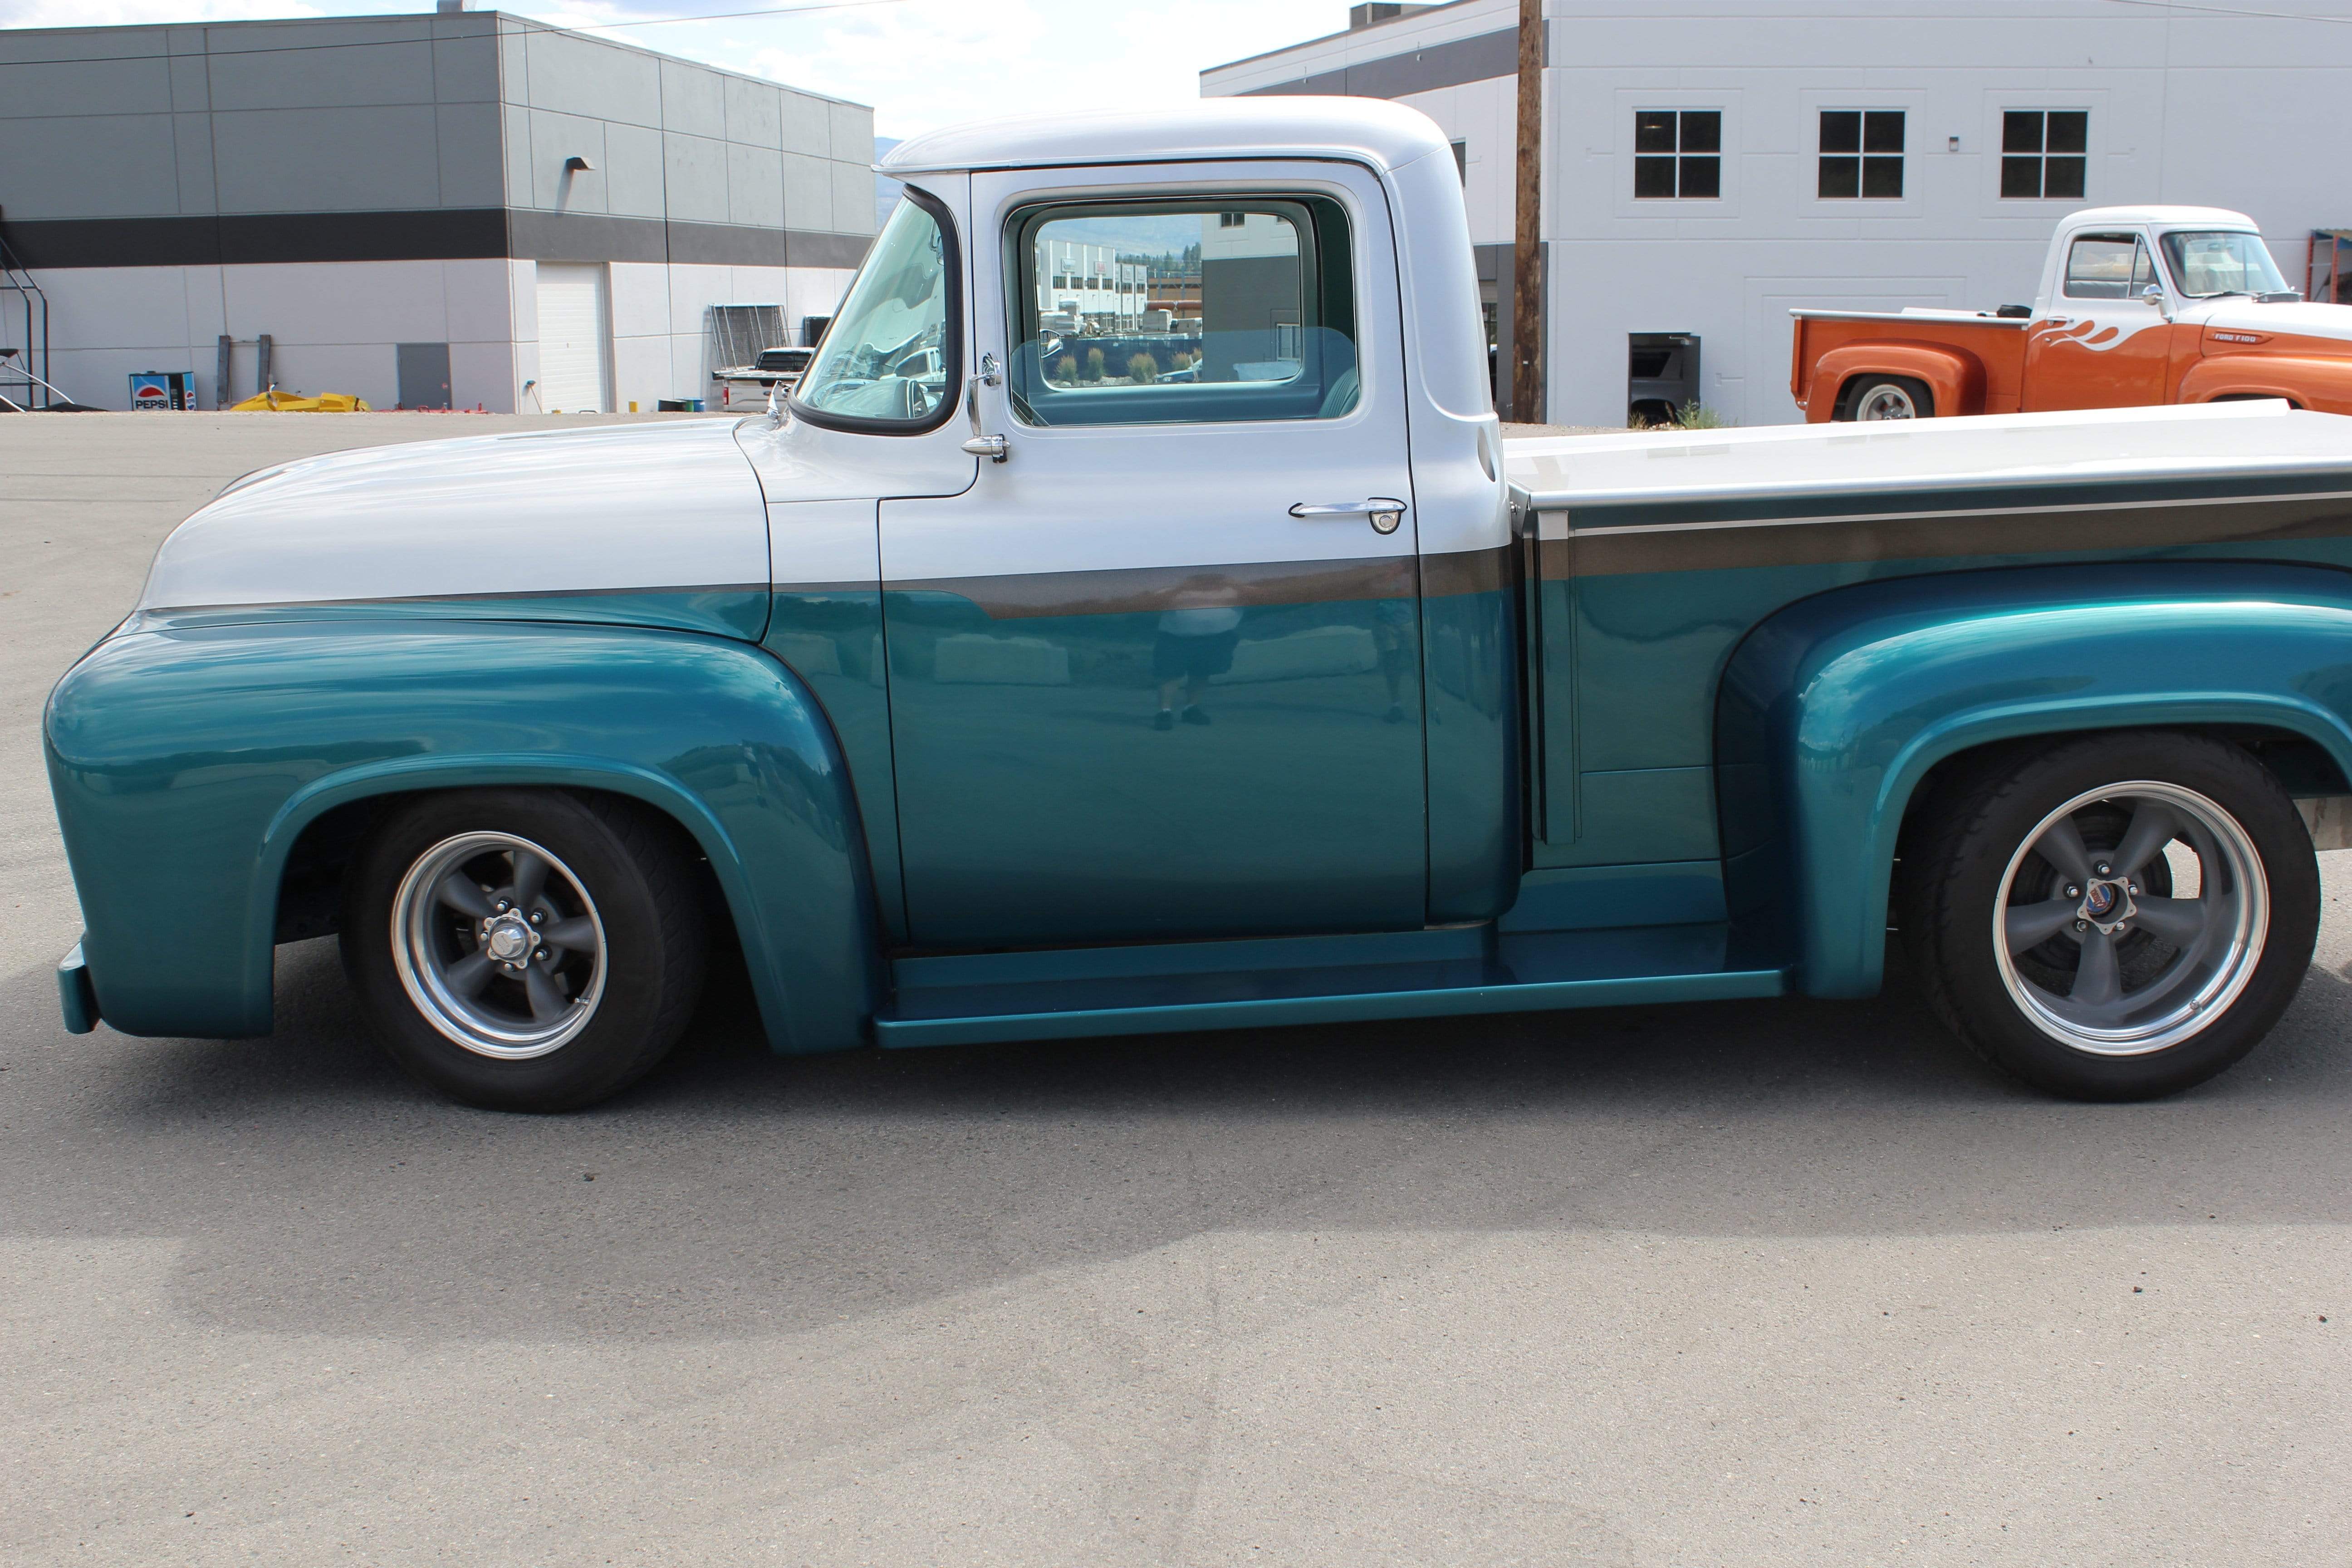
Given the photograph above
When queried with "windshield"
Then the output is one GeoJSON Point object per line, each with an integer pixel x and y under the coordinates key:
{"type": "Point", "coordinates": [885, 358]}
{"type": "Point", "coordinates": [2221, 261]}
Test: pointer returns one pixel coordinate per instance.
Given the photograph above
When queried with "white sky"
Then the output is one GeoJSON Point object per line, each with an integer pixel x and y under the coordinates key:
{"type": "Point", "coordinates": [920, 63]}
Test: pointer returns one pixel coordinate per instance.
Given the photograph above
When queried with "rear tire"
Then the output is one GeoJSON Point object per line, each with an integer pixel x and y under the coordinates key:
{"type": "Point", "coordinates": [525, 950]}
{"type": "Point", "coordinates": [1874, 398]}
{"type": "Point", "coordinates": [2088, 976]}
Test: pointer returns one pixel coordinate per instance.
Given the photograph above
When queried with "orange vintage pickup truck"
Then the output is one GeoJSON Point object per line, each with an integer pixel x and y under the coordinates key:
{"type": "Point", "coordinates": [2138, 305]}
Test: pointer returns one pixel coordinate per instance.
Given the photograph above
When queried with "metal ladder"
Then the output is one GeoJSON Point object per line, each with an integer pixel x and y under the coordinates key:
{"type": "Point", "coordinates": [24, 368]}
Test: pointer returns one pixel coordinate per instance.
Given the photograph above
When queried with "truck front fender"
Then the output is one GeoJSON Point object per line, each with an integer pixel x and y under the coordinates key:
{"type": "Point", "coordinates": [187, 764]}
{"type": "Point", "coordinates": [2321, 385]}
{"type": "Point", "coordinates": [1833, 710]}
{"type": "Point", "coordinates": [1955, 376]}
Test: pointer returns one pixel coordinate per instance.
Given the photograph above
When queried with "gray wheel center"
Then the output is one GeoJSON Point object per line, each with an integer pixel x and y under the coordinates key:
{"type": "Point", "coordinates": [2091, 936]}
{"type": "Point", "coordinates": [498, 944]}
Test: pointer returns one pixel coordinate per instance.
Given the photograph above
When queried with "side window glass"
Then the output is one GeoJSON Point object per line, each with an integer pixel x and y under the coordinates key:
{"type": "Point", "coordinates": [1203, 312]}
{"type": "Point", "coordinates": [2107, 267]}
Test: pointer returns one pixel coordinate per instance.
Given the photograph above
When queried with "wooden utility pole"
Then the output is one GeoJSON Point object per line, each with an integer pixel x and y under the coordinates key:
{"type": "Point", "coordinates": [1527, 246]}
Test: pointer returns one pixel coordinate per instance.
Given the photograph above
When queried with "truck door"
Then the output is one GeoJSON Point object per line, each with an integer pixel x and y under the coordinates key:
{"type": "Point", "coordinates": [2102, 344]}
{"type": "Point", "coordinates": [1154, 675]}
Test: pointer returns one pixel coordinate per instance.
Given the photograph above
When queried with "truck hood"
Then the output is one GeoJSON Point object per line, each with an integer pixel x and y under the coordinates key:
{"type": "Point", "coordinates": [658, 523]}
{"type": "Point", "coordinates": [2305, 319]}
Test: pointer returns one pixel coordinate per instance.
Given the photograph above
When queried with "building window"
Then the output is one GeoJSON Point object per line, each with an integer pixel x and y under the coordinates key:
{"type": "Point", "coordinates": [1462, 161]}
{"type": "Point", "coordinates": [1861, 154]}
{"type": "Point", "coordinates": [1231, 220]}
{"type": "Point", "coordinates": [2043, 152]}
{"type": "Point", "coordinates": [1677, 153]}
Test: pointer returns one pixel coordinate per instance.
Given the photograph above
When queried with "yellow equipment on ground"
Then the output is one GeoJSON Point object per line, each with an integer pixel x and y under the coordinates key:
{"type": "Point", "coordinates": [275, 402]}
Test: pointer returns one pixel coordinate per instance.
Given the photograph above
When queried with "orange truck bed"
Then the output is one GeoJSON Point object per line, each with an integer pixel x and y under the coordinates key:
{"type": "Point", "coordinates": [1970, 361]}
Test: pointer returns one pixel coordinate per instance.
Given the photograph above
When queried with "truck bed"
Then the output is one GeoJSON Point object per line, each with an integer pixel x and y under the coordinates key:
{"type": "Point", "coordinates": [2007, 454]}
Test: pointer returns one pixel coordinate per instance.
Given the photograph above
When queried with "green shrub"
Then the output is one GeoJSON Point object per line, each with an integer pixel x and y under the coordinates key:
{"type": "Point", "coordinates": [1065, 369]}
{"type": "Point", "coordinates": [1698, 415]}
{"type": "Point", "coordinates": [1142, 368]}
{"type": "Point", "coordinates": [1095, 364]}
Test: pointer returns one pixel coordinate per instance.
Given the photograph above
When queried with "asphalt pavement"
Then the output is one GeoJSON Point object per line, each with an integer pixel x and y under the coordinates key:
{"type": "Point", "coordinates": [1741, 1284]}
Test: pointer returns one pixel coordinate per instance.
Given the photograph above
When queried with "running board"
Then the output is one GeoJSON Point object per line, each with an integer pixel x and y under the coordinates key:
{"type": "Point", "coordinates": [968, 999]}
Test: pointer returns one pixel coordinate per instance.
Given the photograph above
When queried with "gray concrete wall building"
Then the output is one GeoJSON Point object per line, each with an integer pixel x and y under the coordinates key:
{"type": "Point", "coordinates": [559, 210]}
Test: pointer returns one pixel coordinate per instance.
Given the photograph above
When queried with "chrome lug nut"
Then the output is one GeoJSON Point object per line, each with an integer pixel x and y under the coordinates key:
{"type": "Point", "coordinates": [2082, 925]}
{"type": "Point", "coordinates": [2073, 892]}
{"type": "Point", "coordinates": [541, 954]}
{"type": "Point", "coordinates": [2102, 868]}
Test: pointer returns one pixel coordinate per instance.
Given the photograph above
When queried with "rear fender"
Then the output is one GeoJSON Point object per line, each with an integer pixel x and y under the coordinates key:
{"type": "Point", "coordinates": [187, 764]}
{"type": "Point", "coordinates": [1955, 378]}
{"type": "Point", "coordinates": [1834, 710]}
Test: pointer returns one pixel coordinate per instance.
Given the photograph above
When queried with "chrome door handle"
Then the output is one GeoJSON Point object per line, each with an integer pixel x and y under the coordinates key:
{"type": "Point", "coordinates": [1385, 512]}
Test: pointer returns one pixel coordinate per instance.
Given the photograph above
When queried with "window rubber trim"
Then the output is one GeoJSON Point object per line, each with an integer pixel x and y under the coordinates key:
{"type": "Point", "coordinates": [952, 258]}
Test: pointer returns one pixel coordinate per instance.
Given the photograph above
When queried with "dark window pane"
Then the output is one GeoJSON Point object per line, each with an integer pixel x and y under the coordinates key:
{"type": "Point", "coordinates": [1841, 130]}
{"type": "Point", "coordinates": [1702, 176]}
{"type": "Point", "coordinates": [2020, 177]}
{"type": "Point", "coordinates": [2070, 131]}
{"type": "Point", "coordinates": [1702, 131]}
{"type": "Point", "coordinates": [2064, 178]}
{"type": "Point", "coordinates": [2020, 131]}
{"type": "Point", "coordinates": [1881, 131]}
{"type": "Point", "coordinates": [1882, 177]}
{"type": "Point", "coordinates": [1654, 130]}
{"type": "Point", "coordinates": [1841, 177]}
{"type": "Point", "coordinates": [1654, 176]}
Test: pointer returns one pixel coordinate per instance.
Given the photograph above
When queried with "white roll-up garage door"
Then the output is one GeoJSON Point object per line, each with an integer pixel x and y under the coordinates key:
{"type": "Point", "coordinates": [572, 340]}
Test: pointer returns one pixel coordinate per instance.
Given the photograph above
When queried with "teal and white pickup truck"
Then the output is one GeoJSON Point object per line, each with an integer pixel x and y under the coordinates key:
{"type": "Point", "coordinates": [1135, 620]}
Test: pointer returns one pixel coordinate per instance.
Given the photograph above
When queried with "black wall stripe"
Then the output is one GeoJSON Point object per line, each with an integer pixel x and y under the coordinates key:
{"type": "Point", "coordinates": [1479, 58]}
{"type": "Point", "coordinates": [434, 233]}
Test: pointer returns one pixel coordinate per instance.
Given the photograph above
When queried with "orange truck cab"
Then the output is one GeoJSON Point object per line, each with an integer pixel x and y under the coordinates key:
{"type": "Point", "coordinates": [2137, 306]}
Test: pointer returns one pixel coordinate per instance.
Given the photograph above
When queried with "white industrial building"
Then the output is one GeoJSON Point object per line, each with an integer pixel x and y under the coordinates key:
{"type": "Point", "coordinates": [1710, 164]}
{"type": "Point", "coordinates": [454, 209]}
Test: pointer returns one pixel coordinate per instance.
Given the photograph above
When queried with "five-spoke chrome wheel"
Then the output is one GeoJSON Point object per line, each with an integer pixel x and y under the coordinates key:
{"type": "Point", "coordinates": [499, 945]}
{"type": "Point", "coordinates": [2131, 914]}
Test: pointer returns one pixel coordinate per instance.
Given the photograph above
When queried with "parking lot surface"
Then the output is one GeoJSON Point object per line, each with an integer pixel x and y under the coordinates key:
{"type": "Point", "coordinates": [1745, 1283]}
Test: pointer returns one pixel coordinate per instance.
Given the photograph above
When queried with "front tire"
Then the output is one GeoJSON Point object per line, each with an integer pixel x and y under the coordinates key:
{"type": "Point", "coordinates": [524, 949]}
{"type": "Point", "coordinates": [2118, 917]}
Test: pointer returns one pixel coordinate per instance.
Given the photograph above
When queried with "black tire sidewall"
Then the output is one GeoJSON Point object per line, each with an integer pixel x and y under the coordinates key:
{"type": "Point", "coordinates": [638, 1014]}
{"type": "Point", "coordinates": [1958, 944]}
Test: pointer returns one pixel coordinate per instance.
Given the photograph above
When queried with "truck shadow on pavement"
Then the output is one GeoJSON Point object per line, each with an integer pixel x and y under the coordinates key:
{"type": "Point", "coordinates": [315, 1189]}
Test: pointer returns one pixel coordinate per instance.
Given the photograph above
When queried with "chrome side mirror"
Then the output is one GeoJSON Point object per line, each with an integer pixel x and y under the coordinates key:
{"type": "Point", "coordinates": [994, 447]}
{"type": "Point", "coordinates": [2153, 294]}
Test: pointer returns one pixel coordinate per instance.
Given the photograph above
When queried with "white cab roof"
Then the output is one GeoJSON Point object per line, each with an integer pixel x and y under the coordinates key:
{"type": "Point", "coordinates": [2160, 217]}
{"type": "Point", "coordinates": [2213, 440]}
{"type": "Point", "coordinates": [1361, 129]}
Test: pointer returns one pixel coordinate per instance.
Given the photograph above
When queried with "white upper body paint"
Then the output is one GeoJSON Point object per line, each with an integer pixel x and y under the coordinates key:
{"type": "Point", "coordinates": [654, 506]}
{"type": "Point", "coordinates": [2105, 446]}
{"type": "Point", "coordinates": [701, 504]}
